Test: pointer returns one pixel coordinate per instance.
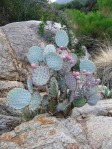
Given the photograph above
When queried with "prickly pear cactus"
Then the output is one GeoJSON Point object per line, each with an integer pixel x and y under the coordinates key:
{"type": "Point", "coordinates": [41, 76]}
{"type": "Point", "coordinates": [61, 38]}
{"type": "Point", "coordinates": [80, 93]}
{"type": "Point", "coordinates": [54, 61]}
{"type": "Point", "coordinates": [30, 84]}
{"type": "Point", "coordinates": [35, 55]}
{"type": "Point", "coordinates": [18, 98]}
{"type": "Point", "coordinates": [79, 102]}
{"type": "Point", "coordinates": [53, 89]}
{"type": "Point", "coordinates": [45, 100]}
{"type": "Point", "coordinates": [65, 68]}
{"type": "Point", "coordinates": [55, 70]}
{"type": "Point", "coordinates": [74, 58]}
{"type": "Point", "coordinates": [62, 106]}
{"type": "Point", "coordinates": [49, 49]}
{"type": "Point", "coordinates": [93, 99]}
{"type": "Point", "coordinates": [35, 101]}
{"type": "Point", "coordinates": [62, 84]}
{"type": "Point", "coordinates": [71, 82]}
{"type": "Point", "coordinates": [90, 92]}
{"type": "Point", "coordinates": [87, 65]}
{"type": "Point", "coordinates": [71, 96]}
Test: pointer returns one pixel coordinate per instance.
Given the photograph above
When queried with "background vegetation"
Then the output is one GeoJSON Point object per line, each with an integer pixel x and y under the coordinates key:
{"type": "Point", "coordinates": [22, 10]}
{"type": "Point", "coordinates": [90, 21]}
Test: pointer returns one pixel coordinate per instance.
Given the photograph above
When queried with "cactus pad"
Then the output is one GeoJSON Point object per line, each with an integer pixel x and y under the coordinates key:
{"type": "Point", "coordinates": [35, 101]}
{"type": "Point", "coordinates": [18, 98]}
{"type": "Point", "coordinates": [71, 96]}
{"type": "Point", "coordinates": [35, 54]}
{"type": "Point", "coordinates": [53, 89]}
{"type": "Point", "coordinates": [80, 93]}
{"type": "Point", "coordinates": [48, 49]}
{"type": "Point", "coordinates": [64, 52]}
{"type": "Point", "coordinates": [91, 92]}
{"type": "Point", "coordinates": [62, 106]}
{"type": "Point", "coordinates": [74, 58]}
{"type": "Point", "coordinates": [30, 84]}
{"type": "Point", "coordinates": [65, 68]}
{"type": "Point", "coordinates": [93, 99]}
{"type": "Point", "coordinates": [41, 76]}
{"type": "Point", "coordinates": [54, 61]}
{"type": "Point", "coordinates": [61, 38]}
{"type": "Point", "coordinates": [71, 81]}
{"type": "Point", "coordinates": [45, 100]}
{"type": "Point", "coordinates": [79, 102]}
{"type": "Point", "coordinates": [87, 65]}
{"type": "Point", "coordinates": [62, 84]}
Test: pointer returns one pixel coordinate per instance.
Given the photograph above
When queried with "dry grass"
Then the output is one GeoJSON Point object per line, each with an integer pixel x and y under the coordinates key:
{"type": "Point", "coordinates": [104, 64]}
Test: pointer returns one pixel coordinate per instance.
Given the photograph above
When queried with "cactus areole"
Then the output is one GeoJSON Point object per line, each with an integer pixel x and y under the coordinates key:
{"type": "Point", "coordinates": [55, 68]}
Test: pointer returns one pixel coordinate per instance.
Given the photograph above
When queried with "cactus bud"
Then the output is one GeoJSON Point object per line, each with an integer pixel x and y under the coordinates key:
{"type": "Point", "coordinates": [76, 73]}
{"type": "Point", "coordinates": [68, 57]}
{"type": "Point", "coordinates": [33, 65]}
{"type": "Point", "coordinates": [88, 73]}
{"type": "Point", "coordinates": [77, 77]}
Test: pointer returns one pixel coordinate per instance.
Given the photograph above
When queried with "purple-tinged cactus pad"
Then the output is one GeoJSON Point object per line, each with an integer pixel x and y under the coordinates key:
{"type": "Point", "coordinates": [61, 38]}
{"type": "Point", "coordinates": [93, 99]}
{"type": "Point", "coordinates": [35, 101]}
{"type": "Point", "coordinates": [18, 98]}
{"type": "Point", "coordinates": [91, 92]}
{"type": "Point", "coordinates": [74, 58]}
{"type": "Point", "coordinates": [65, 68]}
{"type": "Point", "coordinates": [71, 82]}
{"type": "Point", "coordinates": [54, 61]}
{"type": "Point", "coordinates": [87, 65]}
{"type": "Point", "coordinates": [35, 55]}
{"type": "Point", "coordinates": [41, 76]}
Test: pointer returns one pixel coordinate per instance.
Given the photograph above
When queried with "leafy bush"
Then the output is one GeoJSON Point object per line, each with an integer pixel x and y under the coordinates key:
{"type": "Point", "coordinates": [85, 5]}
{"type": "Point", "coordinates": [93, 24]}
{"type": "Point", "coordinates": [55, 68]}
{"type": "Point", "coordinates": [105, 6]}
{"type": "Point", "coordinates": [22, 10]}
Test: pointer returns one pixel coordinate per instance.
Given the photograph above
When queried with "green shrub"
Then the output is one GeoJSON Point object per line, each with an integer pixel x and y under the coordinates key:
{"type": "Point", "coordinates": [85, 5]}
{"type": "Point", "coordinates": [105, 6]}
{"type": "Point", "coordinates": [22, 10]}
{"type": "Point", "coordinates": [93, 24]}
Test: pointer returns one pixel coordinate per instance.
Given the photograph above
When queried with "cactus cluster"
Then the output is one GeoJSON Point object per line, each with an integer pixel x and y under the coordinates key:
{"type": "Point", "coordinates": [55, 69]}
